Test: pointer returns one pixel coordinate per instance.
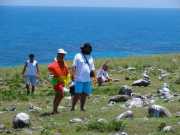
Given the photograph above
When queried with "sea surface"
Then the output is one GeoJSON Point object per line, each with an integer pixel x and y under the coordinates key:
{"type": "Point", "coordinates": [113, 32]}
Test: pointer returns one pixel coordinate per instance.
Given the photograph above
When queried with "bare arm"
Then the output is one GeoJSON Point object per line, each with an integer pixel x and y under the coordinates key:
{"type": "Point", "coordinates": [24, 69]}
{"type": "Point", "coordinates": [37, 67]}
{"type": "Point", "coordinates": [73, 72]}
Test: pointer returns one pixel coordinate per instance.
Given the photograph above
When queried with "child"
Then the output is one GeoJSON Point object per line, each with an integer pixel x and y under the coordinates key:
{"type": "Point", "coordinates": [102, 75]}
{"type": "Point", "coordinates": [31, 73]}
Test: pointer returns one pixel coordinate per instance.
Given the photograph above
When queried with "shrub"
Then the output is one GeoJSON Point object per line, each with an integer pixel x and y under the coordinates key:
{"type": "Point", "coordinates": [109, 126]}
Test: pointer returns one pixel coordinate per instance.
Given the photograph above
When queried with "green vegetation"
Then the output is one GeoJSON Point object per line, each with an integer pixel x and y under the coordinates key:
{"type": "Point", "coordinates": [13, 92]}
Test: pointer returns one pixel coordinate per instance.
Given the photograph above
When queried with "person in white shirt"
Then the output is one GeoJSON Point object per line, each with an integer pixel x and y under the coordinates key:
{"type": "Point", "coordinates": [31, 73]}
{"type": "Point", "coordinates": [83, 68]}
{"type": "Point", "coordinates": [102, 75]}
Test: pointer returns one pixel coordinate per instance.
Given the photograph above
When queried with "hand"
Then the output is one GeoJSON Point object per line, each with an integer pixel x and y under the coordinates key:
{"type": "Point", "coordinates": [38, 76]}
{"type": "Point", "coordinates": [23, 75]}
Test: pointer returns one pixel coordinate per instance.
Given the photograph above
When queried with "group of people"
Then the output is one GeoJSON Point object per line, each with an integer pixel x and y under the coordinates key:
{"type": "Point", "coordinates": [80, 76]}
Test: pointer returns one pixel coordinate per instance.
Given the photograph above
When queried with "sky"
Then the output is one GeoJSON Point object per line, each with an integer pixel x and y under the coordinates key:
{"type": "Point", "coordinates": [97, 3]}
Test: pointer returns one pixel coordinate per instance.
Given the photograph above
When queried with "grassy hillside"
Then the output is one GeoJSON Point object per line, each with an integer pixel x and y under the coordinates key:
{"type": "Point", "coordinates": [12, 92]}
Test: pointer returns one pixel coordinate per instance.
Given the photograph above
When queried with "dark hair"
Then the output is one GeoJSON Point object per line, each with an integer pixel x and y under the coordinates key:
{"type": "Point", "coordinates": [86, 45]}
{"type": "Point", "coordinates": [31, 55]}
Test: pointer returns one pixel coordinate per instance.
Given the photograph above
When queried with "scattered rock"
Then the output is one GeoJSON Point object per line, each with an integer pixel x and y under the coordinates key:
{"type": "Point", "coordinates": [142, 82]}
{"type": "Point", "coordinates": [135, 102]}
{"type": "Point", "coordinates": [163, 74]}
{"type": "Point", "coordinates": [28, 131]}
{"type": "Point", "coordinates": [76, 120]}
{"type": "Point", "coordinates": [102, 120]}
{"type": "Point", "coordinates": [125, 90]}
{"type": "Point", "coordinates": [177, 114]}
{"type": "Point", "coordinates": [8, 131]}
{"type": "Point", "coordinates": [164, 92]}
{"type": "Point", "coordinates": [119, 98]}
{"type": "Point", "coordinates": [67, 98]}
{"type": "Point", "coordinates": [131, 68]}
{"type": "Point", "coordinates": [168, 129]}
{"type": "Point", "coordinates": [161, 126]}
{"type": "Point", "coordinates": [57, 133]}
{"type": "Point", "coordinates": [145, 75]}
{"type": "Point", "coordinates": [33, 108]}
{"type": "Point", "coordinates": [111, 103]}
{"type": "Point", "coordinates": [21, 120]}
{"type": "Point", "coordinates": [62, 107]}
{"type": "Point", "coordinates": [2, 127]}
{"type": "Point", "coordinates": [124, 115]}
{"type": "Point", "coordinates": [1, 112]}
{"type": "Point", "coordinates": [11, 108]}
{"type": "Point", "coordinates": [104, 108]}
{"type": "Point", "coordinates": [120, 133]}
{"type": "Point", "coordinates": [116, 80]}
{"type": "Point", "coordinates": [158, 111]}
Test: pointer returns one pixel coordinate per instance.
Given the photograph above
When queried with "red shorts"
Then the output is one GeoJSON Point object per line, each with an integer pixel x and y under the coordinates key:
{"type": "Point", "coordinates": [59, 88]}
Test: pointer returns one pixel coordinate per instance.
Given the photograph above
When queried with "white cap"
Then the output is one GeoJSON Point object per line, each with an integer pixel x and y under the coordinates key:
{"type": "Point", "coordinates": [62, 51]}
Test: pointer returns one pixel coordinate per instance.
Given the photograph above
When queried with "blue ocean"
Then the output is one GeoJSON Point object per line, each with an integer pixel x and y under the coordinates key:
{"type": "Point", "coordinates": [113, 32]}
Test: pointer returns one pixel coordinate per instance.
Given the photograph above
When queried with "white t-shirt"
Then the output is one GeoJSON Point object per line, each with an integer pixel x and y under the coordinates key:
{"type": "Point", "coordinates": [82, 73]}
{"type": "Point", "coordinates": [31, 69]}
{"type": "Point", "coordinates": [102, 74]}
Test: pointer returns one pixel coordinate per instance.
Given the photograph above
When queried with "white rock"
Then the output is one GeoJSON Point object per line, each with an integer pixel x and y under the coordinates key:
{"type": "Point", "coordinates": [120, 133]}
{"type": "Point", "coordinates": [76, 120]}
{"type": "Point", "coordinates": [68, 98]}
{"type": "Point", "coordinates": [61, 107]}
{"type": "Point", "coordinates": [102, 120]}
{"type": "Point", "coordinates": [158, 111]}
{"type": "Point", "coordinates": [135, 102]}
{"type": "Point", "coordinates": [2, 127]}
{"type": "Point", "coordinates": [177, 114]}
{"type": "Point", "coordinates": [33, 108]}
{"type": "Point", "coordinates": [28, 131]}
{"type": "Point", "coordinates": [168, 129]}
{"type": "Point", "coordinates": [141, 82]}
{"type": "Point", "coordinates": [11, 108]}
{"type": "Point", "coordinates": [2, 112]}
{"type": "Point", "coordinates": [21, 120]}
{"type": "Point", "coordinates": [111, 103]}
{"type": "Point", "coordinates": [131, 68]}
{"type": "Point", "coordinates": [163, 74]}
{"type": "Point", "coordinates": [145, 75]}
{"type": "Point", "coordinates": [127, 114]}
{"type": "Point", "coordinates": [165, 92]}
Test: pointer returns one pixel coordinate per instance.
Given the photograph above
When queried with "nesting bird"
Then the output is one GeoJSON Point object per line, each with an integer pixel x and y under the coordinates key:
{"type": "Point", "coordinates": [165, 92]}
{"type": "Point", "coordinates": [143, 82]}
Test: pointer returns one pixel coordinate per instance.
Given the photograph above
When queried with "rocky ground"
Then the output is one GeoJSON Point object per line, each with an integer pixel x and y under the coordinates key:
{"type": "Point", "coordinates": [143, 99]}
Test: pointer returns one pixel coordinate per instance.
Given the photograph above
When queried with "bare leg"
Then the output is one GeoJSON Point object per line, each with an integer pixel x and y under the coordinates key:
{"type": "Point", "coordinates": [57, 100]}
{"type": "Point", "coordinates": [33, 89]}
{"type": "Point", "coordinates": [27, 87]}
{"type": "Point", "coordinates": [74, 101]}
{"type": "Point", "coordinates": [100, 81]}
{"type": "Point", "coordinates": [83, 101]}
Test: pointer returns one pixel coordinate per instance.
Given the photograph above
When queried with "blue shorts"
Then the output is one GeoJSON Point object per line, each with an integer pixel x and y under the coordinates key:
{"type": "Point", "coordinates": [31, 80]}
{"type": "Point", "coordinates": [83, 87]}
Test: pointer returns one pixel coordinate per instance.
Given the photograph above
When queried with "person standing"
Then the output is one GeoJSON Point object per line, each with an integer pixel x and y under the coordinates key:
{"type": "Point", "coordinates": [60, 78]}
{"type": "Point", "coordinates": [83, 68]}
{"type": "Point", "coordinates": [31, 73]}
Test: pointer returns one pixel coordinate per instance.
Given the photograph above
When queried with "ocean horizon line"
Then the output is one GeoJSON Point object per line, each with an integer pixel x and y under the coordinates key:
{"type": "Point", "coordinates": [99, 7]}
{"type": "Point", "coordinates": [101, 58]}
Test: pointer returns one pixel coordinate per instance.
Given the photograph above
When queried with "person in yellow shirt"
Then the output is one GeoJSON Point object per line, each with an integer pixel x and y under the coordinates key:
{"type": "Point", "coordinates": [59, 70]}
